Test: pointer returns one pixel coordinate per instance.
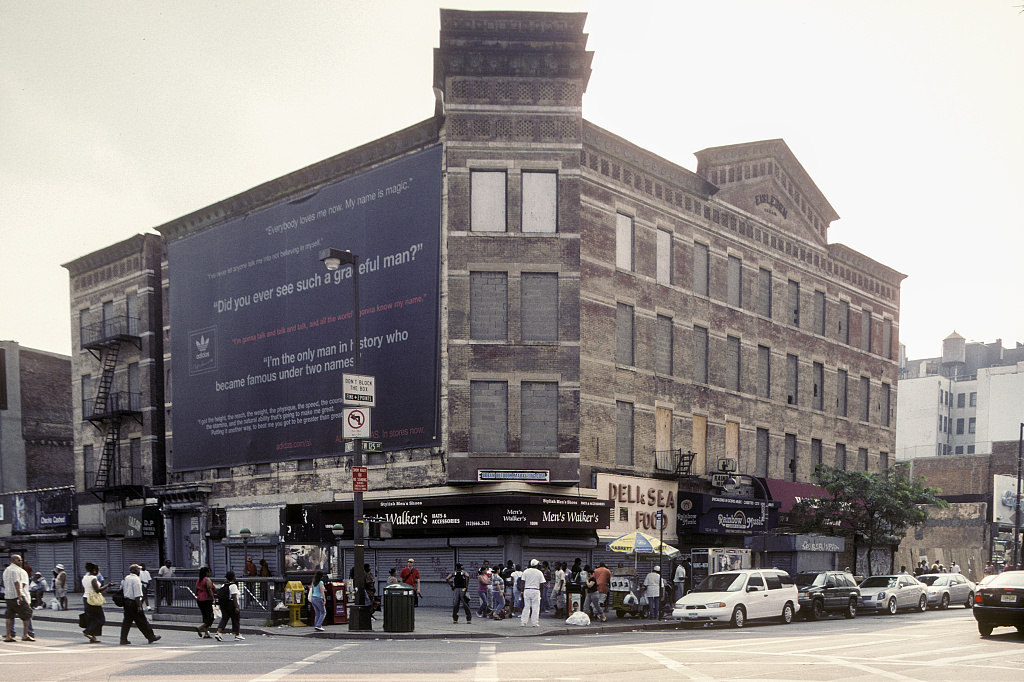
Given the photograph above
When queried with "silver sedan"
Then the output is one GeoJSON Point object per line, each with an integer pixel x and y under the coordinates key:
{"type": "Point", "coordinates": [948, 588]}
{"type": "Point", "coordinates": [890, 593]}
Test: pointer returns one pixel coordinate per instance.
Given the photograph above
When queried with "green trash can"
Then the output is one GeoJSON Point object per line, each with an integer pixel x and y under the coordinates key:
{"type": "Point", "coordinates": [399, 608]}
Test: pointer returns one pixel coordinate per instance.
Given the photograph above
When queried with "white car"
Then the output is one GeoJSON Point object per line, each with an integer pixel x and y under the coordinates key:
{"type": "Point", "coordinates": [890, 593]}
{"type": "Point", "coordinates": [735, 597]}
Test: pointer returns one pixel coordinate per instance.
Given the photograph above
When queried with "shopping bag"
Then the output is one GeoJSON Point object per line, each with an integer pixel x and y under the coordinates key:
{"type": "Point", "coordinates": [578, 618]}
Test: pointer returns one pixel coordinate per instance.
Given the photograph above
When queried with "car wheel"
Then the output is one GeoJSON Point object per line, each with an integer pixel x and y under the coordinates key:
{"type": "Point", "coordinates": [739, 617]}
{"type": "Point", "coordinates": [970, 601]}
{"type": "Point", "coordinates": [817, 611]}
{"type": "Point", "coordinates": [787, 613]}
{"type": "Point", "coordinates": [922, 604]}
{"type": "Point", "coordinates": [890, 608]}
{"type": "Point", "coordinates": [944, 604]}
{"type": "Point", "coordinates": [851, 608]}
{"type": "Point", "coordinates": [985, 629]}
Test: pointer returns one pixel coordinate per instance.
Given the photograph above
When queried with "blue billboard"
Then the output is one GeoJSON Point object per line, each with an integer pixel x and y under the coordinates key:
{"type": "Point", "coordinates": [262, 332]}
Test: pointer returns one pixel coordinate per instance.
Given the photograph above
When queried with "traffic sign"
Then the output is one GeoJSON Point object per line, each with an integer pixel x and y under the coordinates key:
{"type": "Point", "coordinates": [356, 422]}
{"type": "Point", "coordinates": [373, 446]}
{"type": "Point", "coordinates": [358, 389]}
{"type": "Point", "coordinates": [359, 479]}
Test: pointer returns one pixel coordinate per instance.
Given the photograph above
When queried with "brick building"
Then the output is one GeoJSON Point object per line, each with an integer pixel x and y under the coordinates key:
{"type": "Point", "coordinates": [584, 309]}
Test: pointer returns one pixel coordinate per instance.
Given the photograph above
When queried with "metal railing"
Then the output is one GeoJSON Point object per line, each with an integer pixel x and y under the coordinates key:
{"type": "Point", "coordinates": [257, 595]}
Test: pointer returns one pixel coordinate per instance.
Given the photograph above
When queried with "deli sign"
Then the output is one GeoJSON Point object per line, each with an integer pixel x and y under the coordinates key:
{"type": "Point", "coordinates": [637, 502]}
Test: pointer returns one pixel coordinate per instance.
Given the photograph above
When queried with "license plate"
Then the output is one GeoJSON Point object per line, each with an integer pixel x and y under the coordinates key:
{"type": "Point", "coordinates": [1010, 598]}
{"type": "Point", "coordinates": [693, 615]}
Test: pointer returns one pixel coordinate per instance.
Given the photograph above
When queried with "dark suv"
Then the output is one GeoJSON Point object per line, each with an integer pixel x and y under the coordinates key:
{"type": "Point", "coordinates": [825, 592]}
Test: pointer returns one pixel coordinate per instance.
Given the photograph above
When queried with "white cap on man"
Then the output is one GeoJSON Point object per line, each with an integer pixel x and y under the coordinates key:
{"type": "Point", "coordinates": [534, 562]}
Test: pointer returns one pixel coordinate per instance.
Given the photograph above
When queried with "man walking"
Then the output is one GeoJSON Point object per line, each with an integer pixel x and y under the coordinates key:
{"type": "Point", "coordinates": [652, 590]}
{"type": "Point", "coordinates": [603, 578]}
{"type": "Point", "coordinates": [166, 571]}
{"type": "Point", "coordinates": [146, 579]}
{"type": "Point", "coordinates": [532, 580]}
{"type": "Point", "coordinates": [60, 586]}
{"type": "Point", "coordinates": [411, 576]}
{"type": "Point", "coordinates": [133, 611]}
{"type": "Point", "coordinates": [458, 580]}
{"type": "Point", "coordinates": [17, 598]}
{"type": "Point", "coordinates": [680, 580]}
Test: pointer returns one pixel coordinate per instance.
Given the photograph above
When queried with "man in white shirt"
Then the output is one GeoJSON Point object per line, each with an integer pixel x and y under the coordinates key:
{"type": "Point", "coordinates": [680, 580]}
{"type": "Point", "coordinates": [652, 590]}
{"type": "Point", "coordinates": [133, 612]}
{"type": "Point", "coordinates": [17, 598]}
{"type": "Point", "coordinates": [165, 590]}
{"type": "Point", "coordinates": [953, 568]}
{"type": "Point", "coordinates": [146, 578]}
{"type": "Point", "coordinates": [517, 595]}
{"type": "Point", "coordinates": [532, 579]}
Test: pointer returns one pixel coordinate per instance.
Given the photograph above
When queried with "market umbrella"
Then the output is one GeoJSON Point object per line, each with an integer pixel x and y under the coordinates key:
{"type": "Point", "coordinates": [642, 543]}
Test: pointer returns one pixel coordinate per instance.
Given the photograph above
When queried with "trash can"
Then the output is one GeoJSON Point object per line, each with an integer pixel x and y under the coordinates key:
{"type": "Point", "coordinates": [399, 608]}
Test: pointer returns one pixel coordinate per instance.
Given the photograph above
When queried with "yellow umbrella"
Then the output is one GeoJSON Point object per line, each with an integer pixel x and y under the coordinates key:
{"type": "Point", "coordinates": [642, 543]}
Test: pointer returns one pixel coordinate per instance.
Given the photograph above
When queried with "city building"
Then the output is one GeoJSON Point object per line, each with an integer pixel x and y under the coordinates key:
{"type": "Point", "coordinates": [569, 336]}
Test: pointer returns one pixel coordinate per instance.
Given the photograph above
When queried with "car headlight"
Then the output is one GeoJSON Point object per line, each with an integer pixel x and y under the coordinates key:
{"type": "Point", "coordinates": [715, 605]}
{"type": "Point", "coordinates": [880, 596]}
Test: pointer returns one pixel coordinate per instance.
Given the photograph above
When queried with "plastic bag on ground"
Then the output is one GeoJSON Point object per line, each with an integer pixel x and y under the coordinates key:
{"type": "Point", "coordinates": [578, 618]}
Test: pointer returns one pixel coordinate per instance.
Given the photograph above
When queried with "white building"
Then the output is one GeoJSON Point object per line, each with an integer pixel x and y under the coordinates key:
{"type": "Point", "coordinates": [962, 402]}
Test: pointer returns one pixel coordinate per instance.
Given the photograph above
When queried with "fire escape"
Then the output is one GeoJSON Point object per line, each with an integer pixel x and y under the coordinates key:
{"type": "Point", "coordinates": [108, 409]}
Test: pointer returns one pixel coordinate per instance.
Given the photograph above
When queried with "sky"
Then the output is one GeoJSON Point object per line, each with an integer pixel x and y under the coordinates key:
{"type": "Point", "coordinates": [117, 117]}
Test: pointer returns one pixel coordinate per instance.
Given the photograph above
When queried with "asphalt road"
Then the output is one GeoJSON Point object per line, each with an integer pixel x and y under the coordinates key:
{"type": "Point", "coordinates": [930, 647]}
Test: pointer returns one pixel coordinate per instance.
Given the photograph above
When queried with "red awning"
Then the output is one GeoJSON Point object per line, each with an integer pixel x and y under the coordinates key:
{"type": "Point", "coordinates": [788, 493]}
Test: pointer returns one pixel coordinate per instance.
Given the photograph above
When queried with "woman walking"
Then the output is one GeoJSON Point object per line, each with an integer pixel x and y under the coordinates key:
{"type": "Point", "coordinates": [93, 601]}
{"type": "Point", "coordinates": [229, 609]}
{"type": "Point", "coordinates": [205, 591]}
{"type": "Point", "coordinates": [316, 600]}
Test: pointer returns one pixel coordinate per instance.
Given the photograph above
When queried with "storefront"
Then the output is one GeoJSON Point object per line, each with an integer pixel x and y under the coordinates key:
{"type": "Point", "coordinates": [707, 520]}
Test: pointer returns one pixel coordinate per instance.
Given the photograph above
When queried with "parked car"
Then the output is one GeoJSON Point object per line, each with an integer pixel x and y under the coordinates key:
{"type": "Point", "coordinates": [948, 588]}
{"type": "Point", "coordinates": [1000, 601]}
{"type": "Point", "coordinates": [735, 597]}
{"type": "Point", "coordinates": [890, 593]}
{"type": "Point", "coordinates": [825, 592]}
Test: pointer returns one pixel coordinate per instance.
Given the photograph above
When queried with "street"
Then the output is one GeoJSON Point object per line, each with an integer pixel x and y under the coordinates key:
{"type": "Point", "coordinates": [930, 647]}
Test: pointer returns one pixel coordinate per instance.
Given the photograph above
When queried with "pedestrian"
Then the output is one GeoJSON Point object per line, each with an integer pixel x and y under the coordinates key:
{"type": "Point", "coordinates": [266, 587]}
{"type": "Point", "coordinates": [458, 580]}
{"type": "Point", "coordinates": [953, 568]}
{"type": "Point", "coordinates": [227, 599]}
{"type": "Point", "coordinates": [532, 580]}
{"type": "Point", "coordinates": [205, 594]}
{"type": "Point", "coordinates": [250, 568]}
{"type": "Point", "coordinates": [483, 591]}
{"type": "Point", "coordinates": [680, 580]}
{"type": "Point", "coordinates": [558, 590]}
{"type": "Point", "coordinates": [392, 577]}
{"type": "Point", "coordinates": [131, 587]}
{"type": "Point", "coordinates": [411, 576]}
{"type": "Point", "coordinates": [37, 588]}
{"type": "Point", "coordinates": [591, 597]}
{"type": "Point", "coordinates": [517, 590]}
{"type": "Point", "coordinates": [316, 601]}
{"type": "Point", "coordinates": [17, 598]}
{"type": "Point", "coordinates": [545, 587]}
{"type": "Point", "coordinates": [166, 571]}
{"type": "Point", "coordinates": [497, 595]}
{"type": "Point", "coordinates": [93, 601]}
{"type": "Point", "coordinates": [146, 579]}
{"type": "Point", "coordinates": [603, 580]}
{"type": "Point", "coordinates": [60, 587]}
{"type": "Point", "coordinates": [652, 590]}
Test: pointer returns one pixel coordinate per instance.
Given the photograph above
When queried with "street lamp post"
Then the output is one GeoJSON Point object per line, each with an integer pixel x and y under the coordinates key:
{"type": "Point", "coordinates": [1016, 500]}
{"type": "Point", "coordinates": [245, 534]}
{"type": "Point", "coordinates": [332, 260]}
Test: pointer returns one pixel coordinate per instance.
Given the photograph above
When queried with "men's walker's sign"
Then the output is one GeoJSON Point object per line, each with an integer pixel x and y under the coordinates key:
{"type": "Point", "coordinates": [262, 332]}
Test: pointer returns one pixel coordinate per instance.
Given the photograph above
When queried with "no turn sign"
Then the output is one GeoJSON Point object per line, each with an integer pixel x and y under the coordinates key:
{"type": "Point", "coordinates": [357, 422]}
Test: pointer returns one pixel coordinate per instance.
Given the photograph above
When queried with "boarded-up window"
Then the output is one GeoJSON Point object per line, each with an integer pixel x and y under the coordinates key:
{"type": "Point", "coordinates": [792, 379]}
{"type": "Point", "coordinates": [815, 452]}
{"type": "Point", "coordinates": [623, 242]}
{"type": "Point", "coordinates": [488, 306]}
{"type": "Point", "coordinates": [732, 440]}
{"type": "Point", "coordinates": [539, 315]}
{"type": "Point", "coordinates": [884, 407]}
{"type": "Point", "coordinates": [662, 429]}
{"type": "Point", "coordinates": [794, 303]}
{"type": "Point", "coordinates": [700, 355]}
{"type": "Point", "coordinates": [623, 433]}
{"type": "Point", "coordinates": [664, 257]}
{"type": "Point", "coordinates": [762, 455]}
{"type": "Point", "coordinates": [624, 334]}
{"type": "Point", "coordinates": [764, 372]}
{"type": "Point", "coordinates": [735, 282]}
{"type": "Point", "coordinates": [540, 202]}
{"type": "Point", "coordinates": [488, 416]}
{"type": "Point", "coordinates": [539, 417]}
{"type": "Point", "coordinates": [818, 385]}
{"type": "Point", "coordinates": [732, 363]}
{"type": "Point", "coordinates": [791, 461]}
{"type": "Point", "coordinates": [819, 312]}
{"type": "Point", "coordinates": [865, 399]}
{"type": "Point", "coordinates": [699, 444]}
{"type": "Point", "coordinates": [862, 459]}
{"type": "Point", "coordinates": [865, 330]}
{"type": "Point", "coordinates": [841, 456]}
{"type": "Point", "coordinates": [887, 339]}
{"type": "Point", "coordinates": [842, 379]}
{"type": "Point", "coordinates": [700, 269]}
{"type": "Point", "coordinates": [663, 345]}
{"type": "Point", "coordinates": [844, 322]}
{"type": "Point", "coordinates": [764, 292]}
{"type": "Point", "coordinates": [487, 201]}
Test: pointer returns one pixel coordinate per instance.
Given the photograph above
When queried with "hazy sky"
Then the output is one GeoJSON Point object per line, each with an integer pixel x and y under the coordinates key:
{"type": "Point", "coordinates": [116, 117]}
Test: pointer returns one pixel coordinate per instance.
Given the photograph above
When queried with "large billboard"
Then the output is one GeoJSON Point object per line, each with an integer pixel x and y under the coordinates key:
{"type": "Point", "coordinates": [262, 332]}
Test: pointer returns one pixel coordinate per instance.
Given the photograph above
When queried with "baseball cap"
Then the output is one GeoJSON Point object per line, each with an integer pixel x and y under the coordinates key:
{"type": "Point", "coordinates": [534, 562]}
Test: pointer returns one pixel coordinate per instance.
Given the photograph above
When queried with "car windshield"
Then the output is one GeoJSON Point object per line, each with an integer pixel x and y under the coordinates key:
{"type": "Point", "coordinates": [933, 579]}
{"type": "Point", "coordinates": [809, 579]}
{"type": "Point", "coordinates": [879, 581]}
{"type": "Point", "coordinates": [722, 582]}
{"type": "Point", "coordinates": [1007, 579]}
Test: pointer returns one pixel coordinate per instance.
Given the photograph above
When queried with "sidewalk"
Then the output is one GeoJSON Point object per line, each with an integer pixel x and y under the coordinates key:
{"type": "Point", "coordinates": [429, 623]}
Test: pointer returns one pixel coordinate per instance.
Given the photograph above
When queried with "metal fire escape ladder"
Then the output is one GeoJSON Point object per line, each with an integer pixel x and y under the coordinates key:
{"type": "Point", "coordinates": [111, 439]}
{"type": "Point", "coordinates": [112, 433]}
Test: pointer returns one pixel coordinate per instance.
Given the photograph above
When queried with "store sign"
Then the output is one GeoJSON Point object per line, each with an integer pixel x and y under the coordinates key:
{"type": "Point", "coordinates": [637, 503]}
{"type": "Point", "coordinates": [531, 475]}
{"type": "Point", "coordinates": [137, 522]}
{"type": "Point", "coordinates": [725, 515]}
{"type": "Point", "coordinates": [53, 520]}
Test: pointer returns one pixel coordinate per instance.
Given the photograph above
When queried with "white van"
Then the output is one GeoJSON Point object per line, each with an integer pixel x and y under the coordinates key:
{"type": "Point", "coordinates": [738, 596]}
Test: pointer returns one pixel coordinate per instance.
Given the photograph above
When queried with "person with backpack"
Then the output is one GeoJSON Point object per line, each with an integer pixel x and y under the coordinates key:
{"type": "Point", "coordinates": [205, 594]}
{"type": "Point", "coordinates": [227, 600]}
{"type": "Point", "coordinates": [458, 580]}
